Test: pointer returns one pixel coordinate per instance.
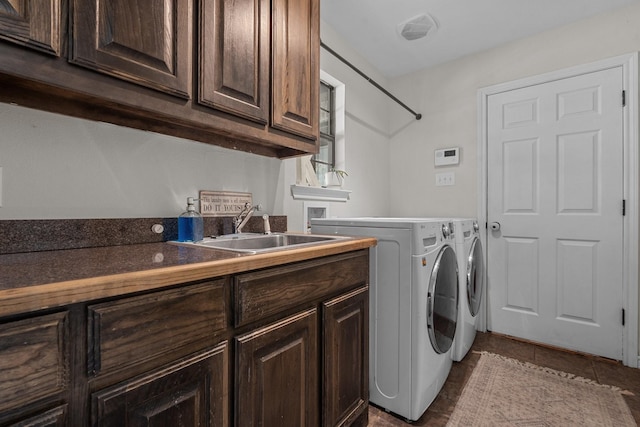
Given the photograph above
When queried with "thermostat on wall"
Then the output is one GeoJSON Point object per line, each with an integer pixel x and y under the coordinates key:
{"type": "Point", "coordinates": [447, 156]}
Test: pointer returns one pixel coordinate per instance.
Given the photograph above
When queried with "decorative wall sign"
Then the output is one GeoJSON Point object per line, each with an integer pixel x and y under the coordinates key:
{"type": "Point", "coordinates": [223, 203]}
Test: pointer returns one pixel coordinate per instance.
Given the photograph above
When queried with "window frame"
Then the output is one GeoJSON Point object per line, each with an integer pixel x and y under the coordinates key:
{"type": "Point", "coordinates": [302, 190]}
{"type": "Point", "coordinates": [323, 166]}
{"type": "Point", "coordinates": [339, 122]}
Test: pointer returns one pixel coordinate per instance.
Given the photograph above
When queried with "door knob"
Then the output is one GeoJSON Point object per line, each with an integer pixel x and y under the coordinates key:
{"type": "Point", "coordinates": [495, 226]}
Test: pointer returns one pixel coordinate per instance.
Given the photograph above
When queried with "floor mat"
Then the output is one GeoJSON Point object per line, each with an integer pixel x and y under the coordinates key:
{"type": "Point", "coordinates": [507, 392]}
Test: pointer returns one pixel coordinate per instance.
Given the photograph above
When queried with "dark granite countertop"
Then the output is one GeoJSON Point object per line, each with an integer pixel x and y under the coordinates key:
{"type": "Point", "coordinates": [38, 268]}
{"type": "Point", "coordinates": [39, 280]}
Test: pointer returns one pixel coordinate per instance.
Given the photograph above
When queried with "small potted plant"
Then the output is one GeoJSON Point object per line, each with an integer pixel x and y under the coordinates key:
{"type": "Point", "coordinates": [336, 178]}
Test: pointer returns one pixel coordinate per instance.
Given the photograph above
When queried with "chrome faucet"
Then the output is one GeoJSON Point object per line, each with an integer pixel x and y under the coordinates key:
{"type": "Point", "coordinates": [265, 224]}
{"type": "Point", "coordinates": [244, 215]}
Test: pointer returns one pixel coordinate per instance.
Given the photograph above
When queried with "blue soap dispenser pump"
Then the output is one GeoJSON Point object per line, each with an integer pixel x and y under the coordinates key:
{"type": "Point", "coordinates": [190, 224]}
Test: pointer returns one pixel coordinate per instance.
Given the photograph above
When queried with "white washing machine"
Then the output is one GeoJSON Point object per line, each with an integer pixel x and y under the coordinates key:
{"type": "Point", "coordinates": [413, 307]}
{"type": "Point", "coordinates": [471, 283]}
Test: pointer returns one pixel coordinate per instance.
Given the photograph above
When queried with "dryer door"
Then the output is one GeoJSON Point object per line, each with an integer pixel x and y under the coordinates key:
{"type": "Point", "coordinates": [475, 276]}
{"type": "Point", "coordinates": [442, 300]}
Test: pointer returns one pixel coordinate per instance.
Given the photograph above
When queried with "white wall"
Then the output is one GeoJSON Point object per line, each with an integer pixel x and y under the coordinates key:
{"type": "Point", "coordinates": [367, 139]}
{"type": "Point", "coordinates": [55, 166]}
{"type": "Point", "coordinates": [447, 97]}
{"type": "Point", "coordinates": [61, 167]}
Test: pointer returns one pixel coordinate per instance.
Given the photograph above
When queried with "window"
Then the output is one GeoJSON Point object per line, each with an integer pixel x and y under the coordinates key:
{"type": "Point", "coordinates": [332, 150]}
{"type": "Point", "coordinates": [324, 161]}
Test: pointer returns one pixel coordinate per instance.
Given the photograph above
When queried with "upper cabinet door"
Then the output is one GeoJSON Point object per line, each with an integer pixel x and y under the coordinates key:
{"type": "Point", "coordinates": [234, 57]}
{"type": "Point", "coordinates": [296, 66]}
{"type": "Point", "coordinates": [31, 23]}
{"type": "Point", "coordinates": [144, 42]}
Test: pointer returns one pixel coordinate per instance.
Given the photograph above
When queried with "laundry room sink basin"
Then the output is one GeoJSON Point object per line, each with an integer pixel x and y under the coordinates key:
{"type": "Point", "coordinates": [259, 243]}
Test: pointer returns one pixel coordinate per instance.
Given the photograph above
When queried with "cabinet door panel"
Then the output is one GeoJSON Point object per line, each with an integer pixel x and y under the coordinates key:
{"type": "Point", "coordinates": [234, 57]}
{"type": "Point", "coordinates": [148, 43]}
{"type": "Point", "coordinates": [31, 23]}
{"type": "Point", "coordinates": [346, 358]}
{"type": "Point", "coordinates": [56, 417]}
{"type": "Point", "coordinates": [34, 360]}
{"type": "Point", "coordinates": [190, 392]}
{"type": "Point", "coordinates": [277, 374]}
{"type": "Point", "coordinates": [295, 66]}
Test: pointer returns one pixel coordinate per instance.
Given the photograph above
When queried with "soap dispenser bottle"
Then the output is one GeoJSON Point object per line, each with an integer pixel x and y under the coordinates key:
{"type": "Point", "coordinates": [190, 224]}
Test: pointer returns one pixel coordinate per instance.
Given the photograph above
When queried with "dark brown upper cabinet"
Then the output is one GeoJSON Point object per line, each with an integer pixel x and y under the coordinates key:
{"type": "Point", "coordinates": [31, 23]}
{"type": "Point", "coordinates": [295, 68]}
{"type": "Point", "coordinates": [234, 57]}
{"type": "Point", "coordinates": [258, 60]}
{"type": "Point", "coordinates": [148, 43]}
{"type": "Point", "coordinates": [240, 74]}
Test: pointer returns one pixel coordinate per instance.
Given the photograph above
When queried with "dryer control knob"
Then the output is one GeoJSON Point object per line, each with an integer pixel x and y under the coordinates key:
{"type": "Point", "coordinates": [446, 232]}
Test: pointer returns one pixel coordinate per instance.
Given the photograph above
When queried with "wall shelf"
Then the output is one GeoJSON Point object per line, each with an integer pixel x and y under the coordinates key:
{"type": "Point", "coordinates": [331, 194]}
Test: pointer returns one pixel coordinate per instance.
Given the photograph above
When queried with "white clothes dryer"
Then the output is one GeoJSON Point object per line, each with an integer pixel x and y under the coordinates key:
{"type": "Point", "coordinates": [471, 283]}
{"type": "Point", "coordinates": [413, 307]}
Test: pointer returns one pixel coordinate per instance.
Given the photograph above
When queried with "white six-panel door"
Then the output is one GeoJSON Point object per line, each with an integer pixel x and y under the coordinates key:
{"type": "Point", "coordinates": [555, 190]}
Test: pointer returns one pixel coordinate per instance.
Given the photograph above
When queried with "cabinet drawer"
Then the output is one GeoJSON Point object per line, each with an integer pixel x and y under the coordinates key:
{"type": "Point", "coordinates": [34, 360]}
{"type": "Point", "coordinates": [171, 323]}
{"type": "Point", "coordinates": [260, 294]}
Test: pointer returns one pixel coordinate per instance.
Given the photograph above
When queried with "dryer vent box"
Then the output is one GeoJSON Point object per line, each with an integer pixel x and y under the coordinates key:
{"type": "Point", "coordinates": [447, 156]}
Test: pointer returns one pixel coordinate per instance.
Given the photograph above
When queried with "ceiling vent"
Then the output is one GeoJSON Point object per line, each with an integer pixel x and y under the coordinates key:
{"type": "Point", "coordinates": [417, 27]}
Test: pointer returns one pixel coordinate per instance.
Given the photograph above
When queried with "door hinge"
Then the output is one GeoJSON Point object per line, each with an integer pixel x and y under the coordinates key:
{"type": "Point", "coordinates": [624, 98]}
{"type": "Point", "coordinates": [624, 207]}
{"type": "Point", "coordinates": [623, 317]}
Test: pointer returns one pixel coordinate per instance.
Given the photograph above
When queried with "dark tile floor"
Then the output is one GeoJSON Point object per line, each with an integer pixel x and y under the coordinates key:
{"type": "Point", "coordinates": [604, 371]}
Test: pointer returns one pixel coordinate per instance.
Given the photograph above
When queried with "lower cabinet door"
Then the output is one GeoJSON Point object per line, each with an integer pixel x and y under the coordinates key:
{"type": "Point", "coordinates": [345, 391]}
{"type": "Point", "coordinates": [56, 417]}
{"type": "Point", "coordinates": [34, 361]}
{"type": "Point", "coordinates": [190, 392]}
{"type": "Point", "coordinates": [277, 374]}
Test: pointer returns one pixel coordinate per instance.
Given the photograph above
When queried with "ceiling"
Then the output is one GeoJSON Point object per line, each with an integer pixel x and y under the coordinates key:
{"type": "Point", "coordinates": [463, 26]}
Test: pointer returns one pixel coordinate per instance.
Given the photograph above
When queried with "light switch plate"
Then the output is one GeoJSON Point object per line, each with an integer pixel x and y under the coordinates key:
{"type": "Point", "coordinates": [445, 178]}
{"type": "Point", "coordinates": [0, 186]}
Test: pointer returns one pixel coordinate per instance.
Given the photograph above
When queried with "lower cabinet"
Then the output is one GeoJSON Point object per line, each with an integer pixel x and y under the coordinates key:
{"type": "Point", "coordinates": [280, 346]}
{"type": "Point", "coordinates": [190, 392]}
{"type": "Point", "coordinates": [277, 374]}
{"type": "Point", "coordinates": [34, 371]}
{"type": "Point", "coordinates": [310, 367]}
{"type": "Point", "coordinates": [277, 368]}
{"type": "Point", "coordinates": [345, 364]}
{"type": "Point", "coordinates": [56, 417]}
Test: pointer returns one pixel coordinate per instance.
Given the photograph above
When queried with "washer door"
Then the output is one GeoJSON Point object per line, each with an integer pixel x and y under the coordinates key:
{"type": "Point", "coordinates": [475, 276]}
{"type": "Point", "coordinates": [442, 300]}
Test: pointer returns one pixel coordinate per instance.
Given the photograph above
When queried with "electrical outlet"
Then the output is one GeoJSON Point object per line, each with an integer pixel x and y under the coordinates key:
{"type": "Point", "coordinates": [446, 178]}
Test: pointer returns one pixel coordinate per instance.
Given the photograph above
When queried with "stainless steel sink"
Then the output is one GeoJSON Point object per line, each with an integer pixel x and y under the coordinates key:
{"type": "Point", "coordinates": [259, 243]}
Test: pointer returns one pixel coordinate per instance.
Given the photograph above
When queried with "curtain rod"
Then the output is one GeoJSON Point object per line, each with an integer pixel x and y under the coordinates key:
{"type": "Point", "coordinates": [418, 116]}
